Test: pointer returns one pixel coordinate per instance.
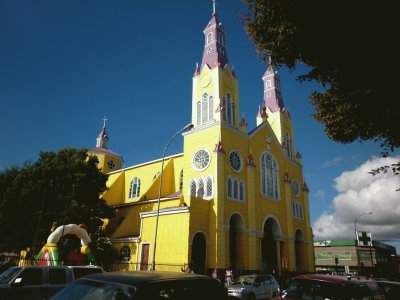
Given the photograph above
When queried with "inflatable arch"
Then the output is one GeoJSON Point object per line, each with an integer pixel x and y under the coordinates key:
{"type": "Point", "coordinates": [49, 255]}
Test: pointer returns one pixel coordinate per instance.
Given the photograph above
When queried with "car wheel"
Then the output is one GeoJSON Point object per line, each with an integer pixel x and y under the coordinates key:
{"type": "Point", "coordinates": [252, 297]}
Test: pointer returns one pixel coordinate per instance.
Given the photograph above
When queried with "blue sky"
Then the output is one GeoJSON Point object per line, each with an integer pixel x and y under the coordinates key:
{"type": "Point", "coordinates": [66, 64]}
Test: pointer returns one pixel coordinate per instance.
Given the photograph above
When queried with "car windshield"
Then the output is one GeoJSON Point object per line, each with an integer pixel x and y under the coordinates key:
{"type": "Point", "coordinates": [88, 289]}
{"type": "Point", "coordinates": [8, 274]}
{"type": "Point", "coordinates": [245, 280]}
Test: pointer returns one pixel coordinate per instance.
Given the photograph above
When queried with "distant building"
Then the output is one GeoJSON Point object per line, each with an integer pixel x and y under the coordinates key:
{"type": "Point", "coordinates": [233, 198]}
{"type": "Point", "coordinates": [345, 257]}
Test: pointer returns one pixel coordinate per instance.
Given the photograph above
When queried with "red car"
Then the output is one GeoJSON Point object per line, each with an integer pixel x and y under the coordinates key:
{"type": "Point", "coordinates": [332, 287]}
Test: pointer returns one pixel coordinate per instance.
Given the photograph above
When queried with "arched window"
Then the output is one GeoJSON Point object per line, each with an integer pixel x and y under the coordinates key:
{"type": "Point", "coordinates": [198, 112]}
{"type": "Point", "coordinates": [209, 37]}
{"type": "Point", "coordinates": [209, 189]}
{"type": "Point", "coordinates": [235, 189]}
{"type": "Point", "coordinates": [233, 114]}
{"type": "Point", "coordinates": [269, 176]}
{"type": "Point", "coordinates": [193, 188]}
{"type": "Point", "coordinates": [221, 38]}
{"type": "Point", "coordinates": [229, 109]}
{"type": "Point", "coordinates": [204, 109]}
{"type": "Point", "coordinates": [181, 181]}
{"type": "Point", "coordinates": [200, 189]}
{"type": "Point", "coordinates": [288, 144]}
{"type": "Point", "coordinates": [229, 113]}
{"type": "Point", "coordinates": [134, 189]}
{"type": "Point", "coordinates": [229, 187]}
{"type": "Point", "coordinates": [241, 191]}
{"type": "Point", "coordinates": [301, 211]}
{"type": "Point", "coordinates": [210, 108]}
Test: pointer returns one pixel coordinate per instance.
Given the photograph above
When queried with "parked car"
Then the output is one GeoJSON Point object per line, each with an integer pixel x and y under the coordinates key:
{"type": "Point", "coordinates": [391, 289]}
{"type": "Point", "coordinates": [40, 282]}
{"type": "Point", "coordinates": [143, 285]}
{"type": "Point", "coordinates": [317, 286]}
{"type": "Point", "coordinates": [250, 287]}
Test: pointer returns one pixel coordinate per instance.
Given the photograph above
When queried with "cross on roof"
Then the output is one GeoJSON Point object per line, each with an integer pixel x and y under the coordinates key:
{"type": "Point", "coordinates": [104, 121]}
{"type": "Point", "coordinates": [364, 238]}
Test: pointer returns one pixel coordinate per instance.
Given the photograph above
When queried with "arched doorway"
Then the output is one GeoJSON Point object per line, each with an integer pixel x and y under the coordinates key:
{"type": "Point", "coordinates": [299, 251]}
{"type": "Point", "coordinates": [199, 246]}
{"type": "Point", "coordinates": [269, 251]}
{"type": "Point", "coordinates": [235, 225]}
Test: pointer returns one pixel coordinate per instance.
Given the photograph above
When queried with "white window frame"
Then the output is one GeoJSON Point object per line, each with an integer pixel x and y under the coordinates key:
{"type": "Point", "coordinates": [134, 191]}
{"type": "Point", "coordinates": [269, 176]}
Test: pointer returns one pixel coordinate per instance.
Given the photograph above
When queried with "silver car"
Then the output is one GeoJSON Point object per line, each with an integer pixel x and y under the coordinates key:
{"type": "Point", "coordinates": [251, 287]}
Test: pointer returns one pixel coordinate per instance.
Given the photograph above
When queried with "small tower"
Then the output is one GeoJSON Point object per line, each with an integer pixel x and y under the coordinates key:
{"type": "Point", "coordinates": [279, 117]}
{"type": "Point", "coordinates": [215, 86]}
{"type": "Point", "coordinates": [108, 160]}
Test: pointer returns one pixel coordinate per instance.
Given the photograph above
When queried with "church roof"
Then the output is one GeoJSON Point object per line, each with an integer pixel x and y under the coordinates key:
{"type": "Point", "coordinates": [101, 150]}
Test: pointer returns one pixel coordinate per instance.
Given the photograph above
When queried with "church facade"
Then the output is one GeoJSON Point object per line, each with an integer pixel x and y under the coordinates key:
{"type": "Point", "coordinates": [234, 197]}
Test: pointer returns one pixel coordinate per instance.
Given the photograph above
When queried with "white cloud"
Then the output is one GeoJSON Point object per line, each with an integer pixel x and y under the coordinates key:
{"type": "Point", "coordinates": [333, 162]}
{"type": "Point", "coordinates": [358, 192]}
{"type": "Point", "coordinates": [320, 194]}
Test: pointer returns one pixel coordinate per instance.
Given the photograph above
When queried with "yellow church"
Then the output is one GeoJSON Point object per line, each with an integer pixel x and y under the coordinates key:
{"type": "Point", "coordinates": [235, 197]}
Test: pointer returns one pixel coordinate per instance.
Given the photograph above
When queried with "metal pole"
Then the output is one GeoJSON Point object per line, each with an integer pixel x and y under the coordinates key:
{"type": "Point", "coordinates": [187, 127]}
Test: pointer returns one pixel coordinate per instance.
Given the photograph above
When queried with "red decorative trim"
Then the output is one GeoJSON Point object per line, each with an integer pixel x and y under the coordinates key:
{"type": "Point", "coordinates": [250, 161]}
{"type": "Point", "coordinates": [218, 148]}
{"type": "Point", "coordinates": [219, 108]}
{"type": "Point", "coordinates": [286, 178]}
{"type": "Point", "coordinates": [298, 155]}
{"type": "Point", "coordinates": [264, 112]}
{"type": "Point", "coordinates": [305, 188]}
{"type": "Point", "coordinates": [243, 123]}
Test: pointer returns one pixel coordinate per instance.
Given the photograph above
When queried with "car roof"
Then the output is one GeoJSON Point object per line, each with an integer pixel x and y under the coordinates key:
{"type": "Point", "coordinates": [142, 277]}
{"type": "Point", "coordinates": [388, 282]}
{"type": "Point", "coordinates": [340, 279]}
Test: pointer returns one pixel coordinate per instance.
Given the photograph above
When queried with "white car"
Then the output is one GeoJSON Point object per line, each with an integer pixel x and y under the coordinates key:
{"type": "Point", "coordinates": [251, 287]}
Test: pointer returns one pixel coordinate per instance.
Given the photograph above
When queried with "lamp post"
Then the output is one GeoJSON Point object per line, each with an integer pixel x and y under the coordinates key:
{"type": "Point", "coordinates": [355, 232]}
{"type": "Point", "coordinates": [187, 127]}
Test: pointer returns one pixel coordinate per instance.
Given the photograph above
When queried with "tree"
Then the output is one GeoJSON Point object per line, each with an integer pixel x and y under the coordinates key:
{"type": "Point", "coordinates": [60, 188]}
{"type": "Point", "coordinates": [351, 48]}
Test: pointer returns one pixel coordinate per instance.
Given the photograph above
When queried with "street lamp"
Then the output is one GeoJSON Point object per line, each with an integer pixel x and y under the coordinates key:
{"type": "Point", "coordinates": [187, 127]}
{"type": "Point", "coordinates": [355, 231]}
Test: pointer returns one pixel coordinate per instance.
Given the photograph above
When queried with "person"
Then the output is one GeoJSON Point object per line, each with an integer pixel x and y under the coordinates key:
{"type": "Point", "coordinates": [215, 274]}
{"type": "Point", "coordinates": [188, 269]}
{"type": "Point", "coordinates": [229, 276]}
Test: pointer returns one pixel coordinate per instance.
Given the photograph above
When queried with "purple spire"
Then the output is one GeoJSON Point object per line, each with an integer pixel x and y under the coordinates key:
{"type": "Point", "coordinates": [214, 52]}
{"type": "Point", "coordinates": [102, 138]}
{"type": "Point", "coordinates": [272, 90]}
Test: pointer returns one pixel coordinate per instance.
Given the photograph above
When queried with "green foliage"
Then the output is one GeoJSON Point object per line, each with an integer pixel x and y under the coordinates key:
{"type": "Point", "coordinates": [60, 188]}
{"type": "Point", "coordinates": [351, 48]}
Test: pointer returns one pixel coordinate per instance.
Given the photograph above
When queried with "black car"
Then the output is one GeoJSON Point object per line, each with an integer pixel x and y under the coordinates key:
{"type": "Point", "coordinates": [140, 285]}
{"type": "Point", "coordinates": [391, 289]}
{"type": "Point", "coordinates": [332, 287]}
{"type": "Point", "coordinates": [39, 282]}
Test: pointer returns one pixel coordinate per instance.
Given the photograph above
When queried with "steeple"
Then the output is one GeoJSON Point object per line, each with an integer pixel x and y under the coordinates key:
{"type": "Point", "coordinates": [102, 138]}
{"type": "Point", "coordinates": [108, 160]}
{"type": "Point", "coordinates": [272, 89]}
{"type": "Point", "coordinates": [214, 52]}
